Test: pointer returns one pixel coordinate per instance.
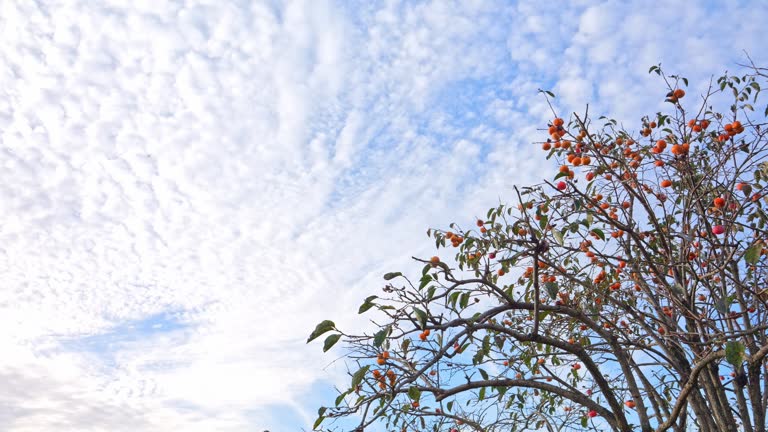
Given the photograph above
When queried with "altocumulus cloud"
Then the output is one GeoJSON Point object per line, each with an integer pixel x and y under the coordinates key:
{"type": "Point", "coordinates": [187, 187]}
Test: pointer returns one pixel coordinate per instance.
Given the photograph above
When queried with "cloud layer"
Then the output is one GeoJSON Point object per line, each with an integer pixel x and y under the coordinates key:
{"type": "Point", "coordinates": [188, 187]}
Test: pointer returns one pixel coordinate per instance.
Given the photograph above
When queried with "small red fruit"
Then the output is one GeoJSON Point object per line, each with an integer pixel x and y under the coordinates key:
{"type": "Point", "coordinates": [592, 413]}
{"type": "Point", "coordinates": [492, 255]}
{"type": "Point", "coordinates": [719, 202]}
{"type": "Point", "coordinates": [718, 229]}
{"type": "Point", "coordinates": [561, 185]}
{"type": "Point", "coordinates": [480, 223]}
{"type": "Point", "coordinates": [630, 404]}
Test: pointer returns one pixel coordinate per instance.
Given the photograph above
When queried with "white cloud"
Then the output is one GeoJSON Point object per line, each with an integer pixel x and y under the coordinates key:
{"type": "Point", "coordinates": [253, 169]}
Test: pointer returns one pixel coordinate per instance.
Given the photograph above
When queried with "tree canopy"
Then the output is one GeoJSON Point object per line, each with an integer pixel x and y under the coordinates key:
{"type": "Point", "coordinates": [628, 292]}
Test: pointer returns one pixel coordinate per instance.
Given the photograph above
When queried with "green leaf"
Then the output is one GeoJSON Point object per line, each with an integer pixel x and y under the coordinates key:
{"type": "Point", "coordinates": [453, 297]}
{"type": "Point", "coordinates": [584, 422]}
{"type": "Point", "coordinates": [367, 304]}
{"type": "Point", "coordinates": [392, 275]}
{"type": "Point", "coordinates": [558, 236]}
{"type": "Point", "coordinates": [543, 222]}
{"type": "Point", "coordinates": [481, 396]}
{"type": "Point", "coordinates": [379, 337]}
{"type": "Point", "coordinates": [551, 288]}
{"type": "Point", "coordinates": [483, 374]}
{"type": "Point", "coordinates": [547, 92]}
{"type": "Point", "coordinates": [321, 328]}
{"type": "Point", "coordinates": [487, 345]}
{"type": "Point", "coordinates": [499, 341]}
{"type": "Point", "coordinates": [464, 300]}
{"type": "Point", "coordinates": [598, 232]}
{"type": "Point", "coordinates": [317, 422]}
{"type": "Point", "coordinates": [414, 393]}
{"type": "Point", "coordinates": [357, 378]}
{"type": "Point", "coordinates": [422, 317]}
{"type": "Point", "coordinates": [330, 341]}
{"type": "Point", "coordinates": [722, 305]}
{"type": "Point", "coordinates": [431, 293]}
{"type": "Point", "coordinates": [475, 317]}
{"type": "Point", "coordinates": [752, 255]}
{"type": "Point", "coordinates": [502, 391]}
{"type": "Point", "coordinates": [734, 352]}
{"type": "Point", "coordinates": [426, 279]}
{"type": "Point", "coordinates": [321, 411]}
{"type": "Point", "coordinates": [449, 406]}
{"type": "Point", "coordinates": [339, 399]}
{"type": "Point", "coordinates": [405, 344]}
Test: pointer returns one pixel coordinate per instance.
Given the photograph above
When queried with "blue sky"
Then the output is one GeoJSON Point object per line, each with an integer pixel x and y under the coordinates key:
{"type": "Point", "coordinates": [188, 187]}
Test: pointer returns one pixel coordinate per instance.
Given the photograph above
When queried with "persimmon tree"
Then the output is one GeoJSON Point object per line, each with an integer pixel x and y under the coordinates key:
{"type": "Point", "coordinates": [626, 293]}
